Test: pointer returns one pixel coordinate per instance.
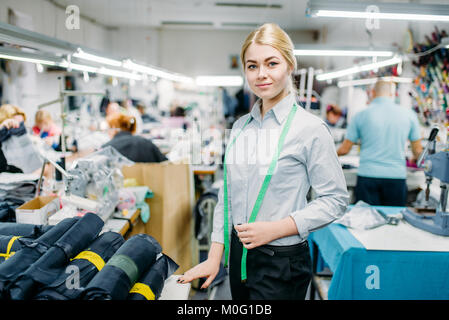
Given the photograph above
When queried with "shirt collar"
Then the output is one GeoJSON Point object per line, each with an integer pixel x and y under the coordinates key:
{"type": "Point", "coordinates": [280, 110]}
{"type": "Point", "coordinates": [382, 99]}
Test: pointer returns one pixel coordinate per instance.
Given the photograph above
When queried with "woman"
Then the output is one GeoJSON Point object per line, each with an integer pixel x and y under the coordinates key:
{"type": "Point", "coordinates": [12, 120]}
{"type": "Point", "coordinates": [270, 220]}
{"type": "Point", "coordinates": [45, 128]}
{"type": "Point", "coordinates": [135, 148]}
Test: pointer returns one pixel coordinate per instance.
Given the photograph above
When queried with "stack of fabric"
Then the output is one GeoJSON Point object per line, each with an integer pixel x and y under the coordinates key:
{"type": "Point", "coordinates": [15, 190]}
{"type": "Point", "coordinates": [72, 260]}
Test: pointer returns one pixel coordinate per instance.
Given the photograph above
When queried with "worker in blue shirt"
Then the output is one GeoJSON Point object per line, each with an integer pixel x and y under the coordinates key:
{"type": "Point", "coordinates": [383, 130]}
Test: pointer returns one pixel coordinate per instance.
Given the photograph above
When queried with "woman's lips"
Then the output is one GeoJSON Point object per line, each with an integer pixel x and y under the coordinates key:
{"type": "Point", "coordinates": [263, 85]}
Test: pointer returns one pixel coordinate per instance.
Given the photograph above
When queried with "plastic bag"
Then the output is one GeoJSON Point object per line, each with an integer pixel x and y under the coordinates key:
{"type": "Point", "coordinates": [362, 216]}
{"type": "Point", "coordinates": [19, 151]}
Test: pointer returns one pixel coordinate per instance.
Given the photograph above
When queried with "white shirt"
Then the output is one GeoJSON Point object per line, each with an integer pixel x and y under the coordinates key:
{"type": "Point", "coordinates": [307, 159]}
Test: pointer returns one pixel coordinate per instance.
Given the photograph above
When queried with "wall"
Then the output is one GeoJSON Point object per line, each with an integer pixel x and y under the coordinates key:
{"type": "Point", "coordinates": [207, 52]}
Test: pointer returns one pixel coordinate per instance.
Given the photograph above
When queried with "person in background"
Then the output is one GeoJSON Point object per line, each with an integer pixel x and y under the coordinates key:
{"type": "Point", "coordinates": [133, 112]}
{"type": "Point", "coordinates": [335, 116]}
{"type": "Point", "coordinates": [383, 130]}
{"type": "Point", "coordinates": [136, 148]}
{"type": "Point", "coordinates": [145, 116]}
{"type": "Point", "coordinates": [177, 118]}
{"type": "Point", "coordinates": [45, 128]}
{"type": "Point", "coordinates": [12, 122]}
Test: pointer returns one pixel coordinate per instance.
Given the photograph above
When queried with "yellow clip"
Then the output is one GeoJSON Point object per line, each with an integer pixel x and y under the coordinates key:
{"type": "Point", "coordinates": [8, 254]}
{"type": "Point", "coordinates": [144, 290]}
{"type": "Point", "coordinates": [92, 257]}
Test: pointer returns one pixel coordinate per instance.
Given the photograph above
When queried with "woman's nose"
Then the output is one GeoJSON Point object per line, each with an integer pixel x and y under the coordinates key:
{"type": "Point", "coordinates": [262, 73]}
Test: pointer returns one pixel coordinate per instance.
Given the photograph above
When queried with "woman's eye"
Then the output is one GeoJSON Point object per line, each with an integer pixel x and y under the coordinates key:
{"type": "Point", "coordinates": [251, 66]}
{"type": "Point", "coordinates": [272, 64]}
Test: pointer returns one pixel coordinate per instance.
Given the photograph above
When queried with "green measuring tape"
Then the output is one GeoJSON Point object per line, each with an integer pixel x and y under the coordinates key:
{"type": "Point", "coordinates": [262, 191]}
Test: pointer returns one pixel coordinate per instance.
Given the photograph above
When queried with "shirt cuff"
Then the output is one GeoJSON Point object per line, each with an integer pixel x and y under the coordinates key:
{"type": "Point", "coordinates": [217, 237]}
{"type": "Point", "coordinates": [301, 224]}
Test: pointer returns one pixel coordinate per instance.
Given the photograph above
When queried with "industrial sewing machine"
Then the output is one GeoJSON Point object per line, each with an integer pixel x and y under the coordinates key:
{"type": "Point", "coordinates": [436, 165]}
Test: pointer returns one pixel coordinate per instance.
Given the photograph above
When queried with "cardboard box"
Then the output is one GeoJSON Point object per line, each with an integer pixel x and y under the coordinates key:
{"type": "Point", "coordinates": [38, 210]}
{"type": "Point", "coordinates": [171, 207]}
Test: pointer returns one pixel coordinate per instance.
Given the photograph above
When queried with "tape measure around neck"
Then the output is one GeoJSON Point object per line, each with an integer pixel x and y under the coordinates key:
{"type": "Point", "coordinates": [262, 191]}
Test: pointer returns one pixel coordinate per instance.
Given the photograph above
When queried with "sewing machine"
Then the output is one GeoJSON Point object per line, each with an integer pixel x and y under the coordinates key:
{"type": "Point", "coordinates": [436, 165]}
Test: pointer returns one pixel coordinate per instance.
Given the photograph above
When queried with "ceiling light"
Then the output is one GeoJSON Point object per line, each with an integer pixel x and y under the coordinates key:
{"type": "Point", "coordinates": [389, 11]}
{"type": "Point", "coordinates": [91, 57]}
{"type": "Point", "coordinates": [312, 50]}
{"type": "Point", "coordinates": [219, 81]}
{"type": "Point", "coordinates": [357, 69]}
{"type": "Point", "coordinates": [128, 64]}
{"type": "Point", "coordinates": [363, 82]}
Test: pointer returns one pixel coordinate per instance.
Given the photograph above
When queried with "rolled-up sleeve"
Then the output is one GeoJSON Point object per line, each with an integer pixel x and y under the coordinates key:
{"type": "Point", "coordinates": [326, 177]}
{"type": "Point", "coordinates": [218, 221]}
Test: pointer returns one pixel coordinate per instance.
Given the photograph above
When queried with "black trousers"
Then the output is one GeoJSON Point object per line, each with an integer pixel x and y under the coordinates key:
{"type": "Point", "coordinates": [381, 192]}
{"type": "Point", "coordinates": [273, 272]}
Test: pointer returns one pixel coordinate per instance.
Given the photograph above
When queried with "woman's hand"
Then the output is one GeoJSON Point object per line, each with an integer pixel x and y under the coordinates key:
{"type": "Point", "coordinates": [208, 268]}
{"type": "Point", "coordinates": [258, 233]}
{"type": "Point", "coordinates": [10, 123]}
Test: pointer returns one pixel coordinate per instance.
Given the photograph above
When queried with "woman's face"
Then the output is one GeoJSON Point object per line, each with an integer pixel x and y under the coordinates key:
{"type": "Point", "coordinates": [266, 71]}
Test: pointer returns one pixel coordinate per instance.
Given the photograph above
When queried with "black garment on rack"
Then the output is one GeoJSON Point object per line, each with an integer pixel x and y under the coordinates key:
{"type": "Point", "coordinates": [155, 277]}
{"type": "Point", "coordinates": [32, 250]}
{"type": "Point", "coordinates": [45, 270]}
{"type": "Point", "coordinates": [23, 229]}
{"type": "Point", "coordinates": [105, 245]}
{"type": "Point", "coordinates": [4, 242]}
{"type": "Point", "coordinates": [123, 270]}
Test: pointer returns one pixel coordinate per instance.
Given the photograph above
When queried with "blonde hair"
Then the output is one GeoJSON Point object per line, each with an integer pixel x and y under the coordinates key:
{"type": "Point", "coordinates": [122, 121]}
{"type": "Point", "coordinates": [273, 35]}
{"type": "Point", "coordinates": [7, 111]}
{"type": "Point", "coordinates": [41, 116]}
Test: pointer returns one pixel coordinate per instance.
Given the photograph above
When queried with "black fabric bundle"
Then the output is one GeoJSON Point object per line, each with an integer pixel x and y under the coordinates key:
{"type": "Point", "coordinates": [7, 213]}
{"type": "Point", "coordinates": [32, 250]}
{"type": "Point", "coordinates": [123, 270]}
{"type": "Point", "coordinates": [104, 246]}
{"type": "Point", "coordinates": [23, 229]}
{"type": "Point", "coordinates": [45, 270]}
{"type": "Point", "coordinates": [150, 285]}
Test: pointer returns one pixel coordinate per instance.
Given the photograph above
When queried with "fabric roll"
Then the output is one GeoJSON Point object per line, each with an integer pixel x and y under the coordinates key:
{"type": "Point", "coordinates": [123, 270]}
{"type": "Point", "coordinates": [32, 250]}
{"type": "Point", "coordinates": [89, 262]}
{"type": "Point", "coordinates": [150, 285]}
{"type": "Point", "coordinates": [45, 270]}
{"type": "Point", "coordinates": [8, 246]}
{"type": "Point", "coordinates": [23, 229]}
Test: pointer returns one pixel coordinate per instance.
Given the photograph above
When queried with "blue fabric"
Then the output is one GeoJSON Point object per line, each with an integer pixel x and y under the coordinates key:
{"type": "Point", "coordinates": [383, 129]}
{"type": "Point", "coordinates": [406, 275]}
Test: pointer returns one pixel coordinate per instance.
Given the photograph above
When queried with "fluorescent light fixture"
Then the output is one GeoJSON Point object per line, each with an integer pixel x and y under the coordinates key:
{"type": "Point", "coordinates": [357, 69]}
{"type": "Point", "coordinates": [364, 82]}
{"type": "Point", "coordinates": [25, 59]}
{"type": "Point", "coordinates": [343, 52]}
{"type": "Point", "coordinates": [78, 67]}
{"type": "Point", "coordinates": [120, 74]}
{"type": "Point", "coordinates": [219, 81]}
{"type": "Point", "coordinates": [378, 10]}
{"type": "Point", "coordinates": [91, 57]}
{"type": "Point", "coordinates": [128, 64]}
